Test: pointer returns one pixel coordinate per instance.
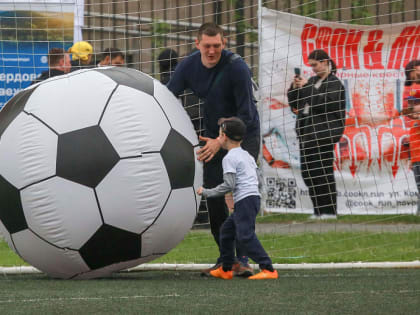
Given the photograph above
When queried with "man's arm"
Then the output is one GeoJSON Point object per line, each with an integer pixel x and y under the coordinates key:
{"type": "Point", "coordinates": [177, 83]}
{"type": "Point", "coordinates": [242, 91]}
{"type": "Point", "coordinates": [225, 187]}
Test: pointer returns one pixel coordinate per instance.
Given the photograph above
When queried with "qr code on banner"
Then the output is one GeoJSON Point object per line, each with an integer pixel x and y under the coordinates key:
{"type": "Point", "coordinates": [281, 192]}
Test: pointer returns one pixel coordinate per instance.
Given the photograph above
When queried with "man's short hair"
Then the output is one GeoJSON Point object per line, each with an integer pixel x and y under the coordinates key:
{"type": "Point", "coordinates": [112, 53]}
{"type": "Point", "coordinates": [210, 29]}
{"type": "Point", "coordinates": [55, 55]}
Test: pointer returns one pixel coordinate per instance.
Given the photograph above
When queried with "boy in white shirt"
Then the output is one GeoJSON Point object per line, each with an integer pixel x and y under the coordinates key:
{"type": "Point", "coordinates": [240, 177]}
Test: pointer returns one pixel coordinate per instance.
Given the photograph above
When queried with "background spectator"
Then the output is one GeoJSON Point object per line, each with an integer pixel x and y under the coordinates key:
{"type": "Point", "coordinates": [112, 57]}
{"type": "Point", "coordinates": [412, 76]}
{"type": "Point", "coordinates": [413, 111]}
{"type": "Point", "coordinates": [58, 63]}
{"type": "Point", "coordinates": [81, 56]}
{"type": "Point", "coordinates": [168, 60]}
{"type": "Point", "coordinates": [320, 105]}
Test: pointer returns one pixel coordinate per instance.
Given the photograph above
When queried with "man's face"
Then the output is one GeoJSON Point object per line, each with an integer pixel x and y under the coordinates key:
{"type": "Point", "coordinates": [65, 64]}
{"type": "Point", "coordinates": [88, 61]}
{"type": "Point", "coordinates": [415, 74]}
{"type": "Point", "coordinates": [117, 61]}
{"type": "Point", "coordinates": [211, 49]}
{"type": "Point", "coordinates": [415, 107]}
{"type": "Point", "coordinates": [415, 104]}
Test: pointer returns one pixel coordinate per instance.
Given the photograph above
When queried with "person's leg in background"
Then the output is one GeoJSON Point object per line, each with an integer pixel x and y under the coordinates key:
{"type": "Point", "coordinates": [217, 209]}
{"type": "Point", "coordinates": [308, 162]}
{"type": "Point", "coordinates": [416, 171]}
{"type": "Point", "coordinates": [252, 146]}
{"type": "Point", "coordinates": [326, 191]}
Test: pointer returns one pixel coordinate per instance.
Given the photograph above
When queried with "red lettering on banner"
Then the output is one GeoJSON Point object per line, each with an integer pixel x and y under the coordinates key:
{"type": "Point", "coordinates": [413, 47]}
{"type": "Point", "coordinates": [372, 52]}
{"type": "Point", "coordinates": [352, 44]}
{"type": "Point", "coordinates": [340, 44]}
{"type": "Point", "coordinates": [323, 38]}
{"type": "Point", "coordinates": [308, 33]}
{"type": "Point", "coordinates": [337, 45]}
{"type": "Point", "coordinates": [343, 46]}
{"type": "Point", "coordinates": [399, 47]}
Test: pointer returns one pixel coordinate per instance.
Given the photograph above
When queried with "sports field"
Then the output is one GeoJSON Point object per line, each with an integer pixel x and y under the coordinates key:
{"type": "Point", "coordinates": [288, 239]}
{"type": "Point", "coordinates": [390, 291]}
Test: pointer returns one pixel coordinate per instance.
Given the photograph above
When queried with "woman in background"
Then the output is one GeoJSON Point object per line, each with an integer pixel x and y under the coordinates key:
{"type": "Point", "coordinates": [319, 103]}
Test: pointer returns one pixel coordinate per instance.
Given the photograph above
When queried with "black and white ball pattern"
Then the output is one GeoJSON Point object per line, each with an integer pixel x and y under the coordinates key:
{"type": "Point", "coordinates": [98, 172]}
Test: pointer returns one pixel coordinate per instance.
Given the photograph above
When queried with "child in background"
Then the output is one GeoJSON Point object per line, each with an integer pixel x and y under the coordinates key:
{"type": "Point", "coordinates": [240, 177]}
{"type": "Point", "coordinates": [413, 111]}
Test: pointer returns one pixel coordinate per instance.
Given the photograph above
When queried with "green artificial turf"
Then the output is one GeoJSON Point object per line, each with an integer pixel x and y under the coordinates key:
{"type": "Point", "coordinates": [199, 247]}
{"type": "Point", "coordinates": [391, 291]}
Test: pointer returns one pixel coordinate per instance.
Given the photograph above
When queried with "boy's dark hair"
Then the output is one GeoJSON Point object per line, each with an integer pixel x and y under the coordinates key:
{"type": "Point", "coordinates": [210, 29]}
{"type": "Point", "coordinates": [321, 55]}
{"type": "Point", "coordinates": [112, 53]}
{"type": "Point", "coordinates": [233, 127]}
{"type": "Point", "coordinates": [408, 69]}
{"type": "Point", "coordinates": [55, 55]}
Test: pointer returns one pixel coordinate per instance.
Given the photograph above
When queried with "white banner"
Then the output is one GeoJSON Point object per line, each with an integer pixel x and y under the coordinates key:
{"type": "Point", "coordinates": [372, 166]}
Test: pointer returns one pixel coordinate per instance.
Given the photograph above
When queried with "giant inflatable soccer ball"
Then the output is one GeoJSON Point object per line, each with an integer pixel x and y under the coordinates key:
{"type": "Point", "coordinates": [97, 172]}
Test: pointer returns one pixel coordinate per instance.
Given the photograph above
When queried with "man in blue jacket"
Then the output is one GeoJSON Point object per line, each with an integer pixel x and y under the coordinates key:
{"type": "Point", "coordinates": [223, 80]}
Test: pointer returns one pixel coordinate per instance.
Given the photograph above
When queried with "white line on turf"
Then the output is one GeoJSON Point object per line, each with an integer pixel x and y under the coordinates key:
{"type": "Point", "coordinates": [88, 298]}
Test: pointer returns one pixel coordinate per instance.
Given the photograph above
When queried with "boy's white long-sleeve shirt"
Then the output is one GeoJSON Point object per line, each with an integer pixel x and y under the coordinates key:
{"type": "Point", "coordinates": [227, 186]}
{"type": "Point", "coordinates": [240, 176]}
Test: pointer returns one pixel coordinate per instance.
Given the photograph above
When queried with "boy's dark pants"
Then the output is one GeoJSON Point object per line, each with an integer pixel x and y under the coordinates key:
{"type": "Point", "coordinates": [240, 227]}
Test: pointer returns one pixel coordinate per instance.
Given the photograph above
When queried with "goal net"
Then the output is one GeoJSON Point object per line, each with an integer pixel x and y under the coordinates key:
{"type": "Point", "coordinates": [371, 43]}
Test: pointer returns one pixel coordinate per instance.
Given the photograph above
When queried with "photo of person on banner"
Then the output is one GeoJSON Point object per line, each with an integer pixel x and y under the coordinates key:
{"type": "Point", "coordinates": [411, 111]}
{"type": "Point", "coordinates": [412, 77]}
{"type": "Point", "coordinates": [320, 106]}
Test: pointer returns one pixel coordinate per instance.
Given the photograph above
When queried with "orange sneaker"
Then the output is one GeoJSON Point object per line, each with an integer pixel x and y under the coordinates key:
{"type": "Point", "coordinates": [220, 273]}
{"type": "Point", "coordinates": [206, 272]}
{"type": "Point", "coordinates": [241, 270]}
{"type": "Point", "coordinates": [265, 274]}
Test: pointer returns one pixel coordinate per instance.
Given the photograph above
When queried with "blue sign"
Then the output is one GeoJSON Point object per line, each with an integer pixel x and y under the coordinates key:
{"type": "Point", "coordinates": [21, 63]}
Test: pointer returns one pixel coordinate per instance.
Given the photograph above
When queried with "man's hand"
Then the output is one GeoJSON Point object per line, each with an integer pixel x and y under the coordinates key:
{"type": "Point", "coordinates": [210, 149]}
{"type": "Point", "coordinates": [200, 191]}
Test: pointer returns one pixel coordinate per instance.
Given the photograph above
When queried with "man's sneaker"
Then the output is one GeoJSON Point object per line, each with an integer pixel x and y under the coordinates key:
{"type": "Point", "coordinates": [206, 272]}
{"type": "Point", "coordinates": [241, 270]}
{"type": "Point", "coordinates": [220, 273]}
{"type": "Point", "coordinates": [265, 274]}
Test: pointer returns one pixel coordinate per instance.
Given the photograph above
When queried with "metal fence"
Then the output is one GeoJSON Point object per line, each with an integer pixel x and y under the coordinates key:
{"type": "Point", "coordinates": [143, 28]}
